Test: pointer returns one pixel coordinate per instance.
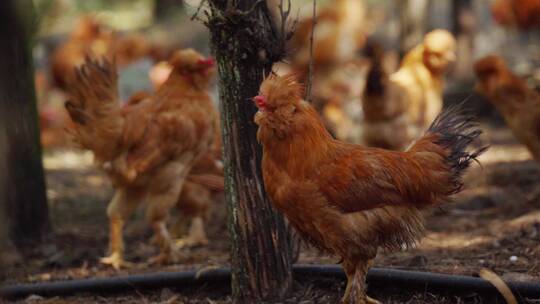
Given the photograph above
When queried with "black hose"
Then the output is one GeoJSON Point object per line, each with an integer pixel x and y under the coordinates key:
{"type": "Point", "coordinates": [379, 279]}
{"type": "Point", "coordinates": [184, 279]}
{"type": "Point", "coordinates": [395, 281]}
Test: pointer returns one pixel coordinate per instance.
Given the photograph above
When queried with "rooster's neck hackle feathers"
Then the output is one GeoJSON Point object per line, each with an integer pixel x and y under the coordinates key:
{"type": "Point", "coordinates": [281, 89]}
{"type": "Point", "coordinates": [289, 126]}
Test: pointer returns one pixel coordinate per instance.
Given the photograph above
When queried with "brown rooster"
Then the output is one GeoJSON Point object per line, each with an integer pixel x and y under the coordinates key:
{"type": "Point", "coordinates": [351, 200]}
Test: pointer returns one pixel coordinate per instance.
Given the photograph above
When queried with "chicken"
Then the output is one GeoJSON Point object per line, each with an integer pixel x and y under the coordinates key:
{"type": "Point", "coordinates": [525, 14]}
{"type": "Point", "coordinates": [52, 127]}
{"type": "Point", "coordinates": [351, 200]}
{"type": "Point", "coordinates": [89, 37]}
{"type": "Point", "coordinates": [399, 107]}
{"type": "Point", "coordinates": [159, 73]}
{"type": "Point", "coordinates": [518, 104]}
{"type": "Point", "coordinates": [149, 147]}
{"type": "Point", "coordinates": [337, 94]}
{"type": "Point", "coordinates": [130, 48]}
{"type": "Point", "coordinates": [202, 184]}
{"type": "Point", "coordinates": [204, 181]}
{"type": "Point", "coordinates": [338, 70]}
{"type": "Point", "coordinates": [338, 35]}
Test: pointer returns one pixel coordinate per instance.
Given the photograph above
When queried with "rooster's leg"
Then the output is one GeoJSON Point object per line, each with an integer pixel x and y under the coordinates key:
{"type": "Point", "coordinates": [157, 213]}
{"type": "Point", "coordinates": [168, 253]}
{"type": "Point", "coordinates": [357, 288]}
{"type": "Point", "coordinates": [349, 269]}
{"type": "Point", "coordinates": [119, 209]}
{"type": "Point", "coordinates": [196, 235]}
{"type": "Point", "coordinates": [368, 299]}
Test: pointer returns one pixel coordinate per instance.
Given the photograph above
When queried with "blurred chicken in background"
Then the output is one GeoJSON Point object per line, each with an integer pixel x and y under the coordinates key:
{"type": "Point", "coordinates": [133, 53]}
{"type": "Point", "coordinates": [204, 182]}
{"type": "Point", "coordinates": [159, 73]}
{"type": "Point", "coordinates": [339, 71]}
{"type": "Point", "coordinates": [92, 38]}
{"type": "Point", "coordinates": [518, 104]}
{"type": "Point", "coordinates": [202, 185]}
{"type": "Point", "coordinates": [523, 14]}
{"type": "Point", "coordinates": [88, 38]}
{"type": "Point", "coordinates": [148, 147]}
{"type": "Point", "coordinates": [52, 117]}
{"type": "Point", "coordinates": [337, 90]}
{"type": "Point", "coordinates": [400, 107]}
{"type": "Point", "coordinates": [338, 36]}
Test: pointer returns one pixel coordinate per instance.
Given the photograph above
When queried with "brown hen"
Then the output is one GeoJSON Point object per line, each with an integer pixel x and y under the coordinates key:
{"type": "Point", "coordinates": [147, 148]}
{"type": "Point", "coordinates": [524, 14]}
{"type": "Point", "coordinates": [204, 182]}
{"type": "Point", "coordinates": [517, 103]}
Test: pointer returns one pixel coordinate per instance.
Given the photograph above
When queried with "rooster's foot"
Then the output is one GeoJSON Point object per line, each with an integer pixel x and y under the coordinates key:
{"type": "Point", "coordinates": [116, 261]}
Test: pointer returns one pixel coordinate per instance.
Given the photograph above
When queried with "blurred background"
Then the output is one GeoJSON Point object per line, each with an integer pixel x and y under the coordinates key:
{"type": "Point", "coordinates": [148, 31]}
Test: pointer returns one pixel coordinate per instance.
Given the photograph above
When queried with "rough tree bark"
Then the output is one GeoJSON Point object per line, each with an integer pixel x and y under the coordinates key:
{"type": "Point", "coordinates": [23, 191]}
{"type": "Point", "coordinates": [246, 43]}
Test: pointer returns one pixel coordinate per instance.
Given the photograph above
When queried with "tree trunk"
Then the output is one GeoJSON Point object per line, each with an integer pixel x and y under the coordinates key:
{"type": "Point", "coordinates": [413, 25]}
{"type": "Point", "coordinates": [246, 43]}
{"type": "Point", "coordinates": [23, 189]}
{"type": "Point", "coordinates": [8, 253]}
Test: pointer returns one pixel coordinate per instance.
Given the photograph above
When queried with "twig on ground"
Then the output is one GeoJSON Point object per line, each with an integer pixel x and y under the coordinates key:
{"type": "Point", "coordinates": [501, 286]}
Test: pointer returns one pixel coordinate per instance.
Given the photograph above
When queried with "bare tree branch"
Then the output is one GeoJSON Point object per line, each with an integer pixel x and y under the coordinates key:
{"type": "Point", "coordinates": [196, 15]}
{"type": "Point", "coordinates": [246, 41]}
{"type": "Point", "coordinates": [310, 68]}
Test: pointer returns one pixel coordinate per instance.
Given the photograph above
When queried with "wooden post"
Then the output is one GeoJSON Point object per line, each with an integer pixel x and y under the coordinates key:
{"type": "Point", "coordinates": [23, 190]}
{"type": "Point", "coordinates": [246, 43]}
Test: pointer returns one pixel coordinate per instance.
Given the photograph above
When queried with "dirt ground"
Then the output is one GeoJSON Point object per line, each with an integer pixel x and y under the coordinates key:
{"type": "Point", "coordinates": [494, 223]}
{"type": "Point", "coordinates": [303, 294]}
